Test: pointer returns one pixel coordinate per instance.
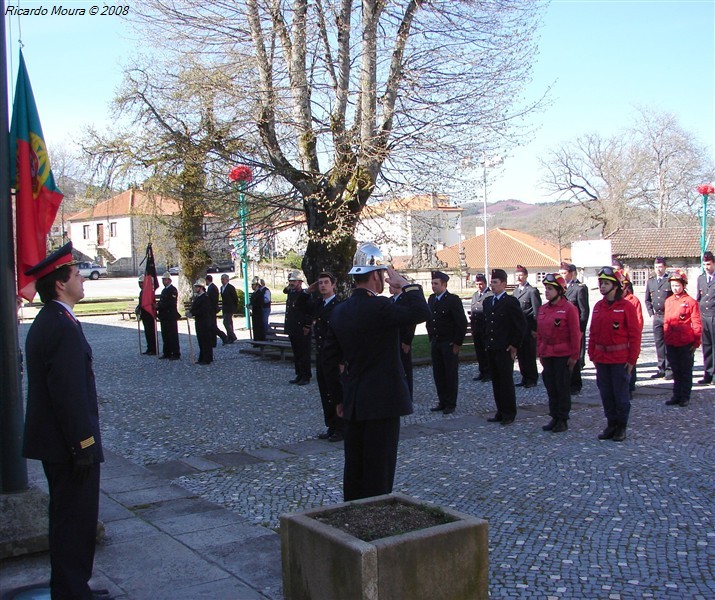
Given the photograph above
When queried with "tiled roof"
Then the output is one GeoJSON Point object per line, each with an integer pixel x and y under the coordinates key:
{"type": "Point", "coordinates": [131, 202]}
{"type": "Point", "coordinates": [507, 248]}
{"type": "Point", "coordinates": [418, 202]}
{"type": "Point", "coordinates": [648, 243]}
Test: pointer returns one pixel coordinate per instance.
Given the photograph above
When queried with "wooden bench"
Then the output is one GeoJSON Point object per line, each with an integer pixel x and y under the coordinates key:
{"type": "Point", "coordinates": [128, 312]}
{"type": "Point", "coordinates": [268, 348]}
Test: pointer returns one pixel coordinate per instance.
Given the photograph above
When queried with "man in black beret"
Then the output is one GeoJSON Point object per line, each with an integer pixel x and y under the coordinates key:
{"type": "Point", "coordinates": [706, 301]}
{"type": "Point", "coordinates": [446, 328]}
{"type": "Point", "coordinates": [577, 294]}
{"type": "Point", "coordinates": [530, 300]}
{"type": "Point", "coordinates": [62, 423]}
{"type": "Point", "coordinates": [656, 291]}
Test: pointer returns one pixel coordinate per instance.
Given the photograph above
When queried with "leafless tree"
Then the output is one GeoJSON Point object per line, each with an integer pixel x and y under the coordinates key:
{"type": "Point", "coordinates": [336, 99]}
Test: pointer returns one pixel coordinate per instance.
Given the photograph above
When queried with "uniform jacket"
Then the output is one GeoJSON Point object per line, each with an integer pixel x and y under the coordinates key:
{"type": "Point", "coordinates": [656, 293]}
{"type": "Point", "coordinates": [558, 332]}
{"type": "Point", "coordinates": [62, 417]}
{"type": "Point", "coordinates": [633, 299]}
{"type": "Point", "coordinates": [447, 322]}
{"type": "Point", "coordinates": [615, 336]}
{"type": "Point", "coordinates": [166, 307]}
{"type": "Point", "coordinates": [213, 294]}
{"type": "Point", "coordinates": [706, 295]}
{"type": "Point", "coordinates": [203, 313]}
{"type": "Point", "coordinates": [299, 311]}
{"type": "Point", "coordinates": [476, 312]}
{"type": "Point", "coordinates": [530, 300]}
{"type": "Point", "coordinates": [323, 313]}
{"type": "Point", "coordinates": [364, 333]}
{"type": "Point", "coordinates": [577, 294]}
{"type": "Point", "coordinates": [681, 324]}
{"type": "Point", "coordinates": [407, 332]}
{"type": "Point", "coordinates": [506, 323]}
{"type": "Point", "coordinates": [229, 299]}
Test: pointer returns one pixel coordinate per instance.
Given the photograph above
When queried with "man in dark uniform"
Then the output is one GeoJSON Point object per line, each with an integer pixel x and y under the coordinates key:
{"type": "Point", "coordinates": [62, 423]}
{"type": "Point", "coordinates": [298, 323]}
{"type": "Point", "coordinates": [169, 318]}
{"type": "Point", "coordinates": [706, 301]}
{"type": "Point", "coordinates": [656, 291]}
{"type": "Point", "coordinates": [213, 294]}
{"type": "Point", "coordinates": [577, 294]}
{"type": "Point", "coordinates": [446, 328]}
{"type": "Point", "coordinates": [530, 300]}
{"type": "Point", "coordinates": [407, 334]}
{"type": "Point", "coordinates": [229, 306]}
{"type": "Point", "coordinates": [364, 336]}
{"type": "Point", "coordinates": [257, 304]}
{"type": "Point", "coordinates": [148, 323]}
{"type": "Point", "coordinates": [479, 325]}
{"type": "Point", "coordinates": [330, 396]}
{"type": "Point", "coordinates": [204, 321]}
{"type": "Point", "coordinates": [506, 326]}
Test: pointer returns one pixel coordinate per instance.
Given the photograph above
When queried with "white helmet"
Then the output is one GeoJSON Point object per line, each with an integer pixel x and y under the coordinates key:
{"type": "Point", "coordinates": [295, 276]}
{"type": "Point", "coordinates": [368, 257]}
{"type": "Point", "coordinates": [200, 283]}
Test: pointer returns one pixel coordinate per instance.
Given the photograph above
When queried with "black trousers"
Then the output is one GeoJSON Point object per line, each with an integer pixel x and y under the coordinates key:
{"type": "Point", "coordinates": [73, 512]}
{"type": "Point", "coordinates": [206, 338]}
{"type": "Point", "coordinates": [480, 349]}
{"type": "Point", "coordinates": [228, 326]}
{"type": "Point", "coordinates": [333, 422]}
{"type": "Point", "coordinates": [501, 366]}
{"type": "Point", "coordinates": [259, 327]}
{"type": "Point", "coordinates": [149, 325]}
{"type": "Point", "coordinates": [370, 457]}
{"type": "Point", "coordinates": [300, 344]}
{"type": "Point", "coordinates": [445, 369]}
{"type": "Point", "coordinates": [170, 338]}
{"type": "Point", "coordinates": [557, 381]}
{"type": "Point", "coordinates": [576, 381]}
{"type": "Point", "coordinates": [680, 359]}
{"type": "Point", "coordinates": [659, 339]}
{"type": "Point", "coordinates": [708, 338]}
{"type": "Point", "coordinates": [217, 333]}
{"type": "Point", "coordinates": [527, 359]}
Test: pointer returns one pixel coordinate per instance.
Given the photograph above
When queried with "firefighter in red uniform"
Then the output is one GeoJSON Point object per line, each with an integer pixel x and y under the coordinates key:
{"type": "Point", "coordinates": [682, 327]}
{"type": "Point", "coordinates": [633, 299]}
{"type": "Point", "coordinates": [558, 346]}
{"type": "Point", "coordinates": [614, 345]}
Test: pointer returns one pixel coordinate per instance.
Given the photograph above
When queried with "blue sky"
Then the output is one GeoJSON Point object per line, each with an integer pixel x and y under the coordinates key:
{"type": "Point", "coordinates": [602, 57]}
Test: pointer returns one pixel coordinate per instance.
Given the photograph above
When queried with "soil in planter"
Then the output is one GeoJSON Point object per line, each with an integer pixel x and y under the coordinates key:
{"type": "Point", "coordinates": [374, 521]}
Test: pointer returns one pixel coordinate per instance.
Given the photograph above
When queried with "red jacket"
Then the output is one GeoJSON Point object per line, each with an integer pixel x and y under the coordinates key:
{"type": "Point", "coordinates": [633, 299]}
{"type": "Point", "coordinates": [615, 335]}
{"type": "Point", "coordinates": [681, 323]}
{"type": "Point", "coordinates": [558, 332]}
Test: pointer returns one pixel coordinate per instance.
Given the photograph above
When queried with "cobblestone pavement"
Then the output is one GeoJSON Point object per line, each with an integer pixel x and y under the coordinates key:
{"type": "Point", "coordinates": [569, 516]}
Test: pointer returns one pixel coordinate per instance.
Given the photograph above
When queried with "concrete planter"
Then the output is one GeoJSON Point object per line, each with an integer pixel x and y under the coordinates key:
{"type": "Point", "coordinates": [320, 562]}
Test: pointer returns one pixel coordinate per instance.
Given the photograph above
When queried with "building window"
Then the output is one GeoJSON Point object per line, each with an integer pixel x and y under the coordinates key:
{"type": "Point", "coordinates": [113, 230]}
{"type": "Point", "coordinates": [639, 277]}
{"type": "Point", "coordinates": [85, 232]}
{"type": "Point", "coordinates": [540, 277]}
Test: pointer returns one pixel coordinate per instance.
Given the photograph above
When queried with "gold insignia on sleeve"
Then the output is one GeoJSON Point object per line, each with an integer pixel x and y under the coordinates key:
{"type": "Point", "coordinates": [87, 443]}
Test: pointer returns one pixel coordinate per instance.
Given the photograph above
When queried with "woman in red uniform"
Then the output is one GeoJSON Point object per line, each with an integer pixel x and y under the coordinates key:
{"type": "Point", "coordinates": [558, 346]}
{"type": "Point", "coordinates": [614, 344]}
{"type": "Point", "coordinates": [633, 299]}
{"type": "Point", "coordinates": [682, 328]}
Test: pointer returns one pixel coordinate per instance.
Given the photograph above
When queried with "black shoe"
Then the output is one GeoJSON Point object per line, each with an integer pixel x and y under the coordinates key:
{"type": "Point", "coordinates": [325, 435]}
{"type": "Point", "coordinates": [619, 435]}
{"type": "Point", "coordinates": [684, 403]}
{"type": "Point", "coordinates": [658, 375]}
{"type": "Point", "coordinates": [149, 353]}
{"type": "Point", "coordinates": [529, 384]}
{"type": "Point", "coordinates": [705, 381]}
{"type": "Point", "coordinates": [303, 382]}
{"type": "Point", "coordinates": [608, 432]}
{"type": "Point", "coordinates": [495, 419]}
{"type": "Point", "coordinates": [668, 375]}
{"type": "Point", "coordinates": [520, 384]}
{"type": "Point", "coordinates": [672, 402]}
{"type": "Point", "coordinates": [508, 421]}
{"type": "Point", "coordinates": [174, 357]}
{"type": "Point", "coordinates": [560, 427]}
{"type": "Point", "coordinates": [336, 437]}
{"type": "Point", "coordinates": [549, 426]}
{"type": "Point", "coordinates": [164, 356]}
{"type": "Point", "coordinates": [437, 408]}
{"type": "Point", "coordinates": [448, 411]}
{"type": "Point", "coordinates": [295, 380]}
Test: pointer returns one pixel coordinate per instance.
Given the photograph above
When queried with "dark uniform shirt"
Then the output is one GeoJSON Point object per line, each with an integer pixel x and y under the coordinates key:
{"type": "Point", "coordinates": [447, 322]}
{"type": "Point", "coordinates": [577, 294]}
{"type": "Point", "coordinates": [656, 293]}
{"type": "Point", "coordinates": [706, 295]}
{"type": "Point", "coordinates": [530, 300]}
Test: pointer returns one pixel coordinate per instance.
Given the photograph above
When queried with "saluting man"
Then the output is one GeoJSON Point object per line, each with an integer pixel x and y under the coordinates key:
{"type": "Point", "coordinates": [446, 328]}
{"type": "Point", "coordinates": [706, 301]}
{"type": "Point", "coordinates": [62, 423]}
{"type": "Point", "coordinates": [656, 292]}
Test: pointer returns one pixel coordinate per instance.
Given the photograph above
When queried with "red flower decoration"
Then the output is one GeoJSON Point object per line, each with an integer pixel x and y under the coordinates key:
{"type": "Point", "coordinates": [706, 190]}
{"type": "Point", "coordinates": [241, 173]}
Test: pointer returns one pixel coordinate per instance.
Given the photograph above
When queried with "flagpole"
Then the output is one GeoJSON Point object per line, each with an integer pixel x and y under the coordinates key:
{"type": "Point", "coordinates": [13, 469]}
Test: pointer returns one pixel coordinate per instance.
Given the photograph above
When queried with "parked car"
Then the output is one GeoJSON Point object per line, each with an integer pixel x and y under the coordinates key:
{"type": "Point", "coordinates": [91, 270]}
{"type": "Point", "coordinates": [222, 267]}
{"type": "Point", "coordinates": [173, 270]}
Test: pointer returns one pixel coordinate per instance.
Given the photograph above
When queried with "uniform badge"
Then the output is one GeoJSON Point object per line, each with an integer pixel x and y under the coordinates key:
{"type": "Point", "coordinates": [616, 325]}
{"type": "Point", "coordinates": [557, 322]}
{"type": "Point", "coordinates": [682, 317]}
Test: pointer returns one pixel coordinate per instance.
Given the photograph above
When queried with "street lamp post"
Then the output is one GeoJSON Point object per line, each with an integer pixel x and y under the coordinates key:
{"type": "Point", "coordinates": [705, 191]}
{"type": "Point", "coordinates": [242, 176]}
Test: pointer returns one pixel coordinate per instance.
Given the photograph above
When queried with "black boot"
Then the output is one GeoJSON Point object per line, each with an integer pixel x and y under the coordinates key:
{"type": "Point", "coordinates": [620, 434]}
{"type": "Point", "coordinates": [550, 425]}
{"type": "Point", "coordinates": [608, 431]}
{"type": "Point", "coordinates": [560, 427]}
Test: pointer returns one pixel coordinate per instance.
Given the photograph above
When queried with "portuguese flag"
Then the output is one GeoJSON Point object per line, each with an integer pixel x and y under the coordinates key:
{"type": "Point", "coordinates": [37, 198]}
